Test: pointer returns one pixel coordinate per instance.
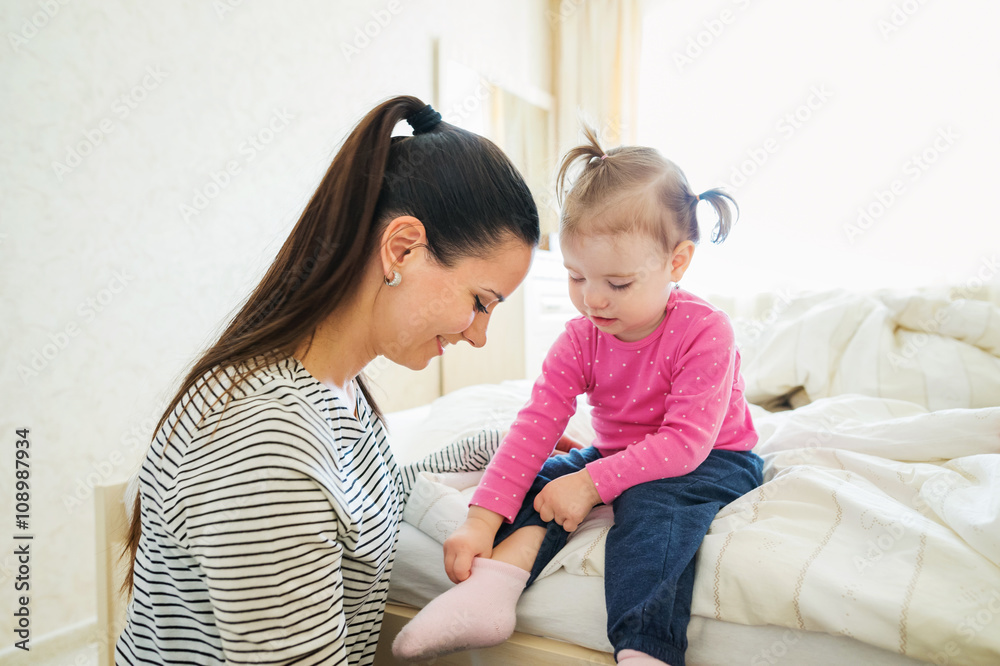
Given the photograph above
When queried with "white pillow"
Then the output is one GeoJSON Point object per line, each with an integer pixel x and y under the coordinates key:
{"type": "Point", "coordinates": [418, 432]}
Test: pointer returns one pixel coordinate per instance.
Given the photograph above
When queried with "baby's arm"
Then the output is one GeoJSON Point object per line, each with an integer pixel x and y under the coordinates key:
{"type": "Point", "coordinates": [535, 431]}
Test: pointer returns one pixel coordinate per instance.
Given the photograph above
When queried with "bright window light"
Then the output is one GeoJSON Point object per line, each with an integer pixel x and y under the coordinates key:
{"type": "Point", "coordinates": [860, 139]}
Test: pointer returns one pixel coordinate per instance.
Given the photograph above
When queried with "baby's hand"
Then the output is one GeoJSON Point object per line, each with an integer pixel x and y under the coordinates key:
{"type": "Point", "coordinates": [568, 499]}
{"type": "Point", "coordinates": [473, 538]}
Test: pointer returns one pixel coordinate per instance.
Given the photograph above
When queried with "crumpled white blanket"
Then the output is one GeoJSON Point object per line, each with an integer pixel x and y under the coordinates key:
{"type": "Point", "coordinates": [880, 515]}
{"type": "Point", "coordinates": [878, 520]}
{"type": "Point", "coordinates": [919, 346]}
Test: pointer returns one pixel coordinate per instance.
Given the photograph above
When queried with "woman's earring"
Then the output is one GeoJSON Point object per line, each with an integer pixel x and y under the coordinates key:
{"type": "Point", "coordinates": [396, 279]}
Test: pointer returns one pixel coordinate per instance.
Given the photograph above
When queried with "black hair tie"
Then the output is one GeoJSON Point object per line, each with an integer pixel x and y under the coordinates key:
{"type": "Point", "coordinates": [424, 120]}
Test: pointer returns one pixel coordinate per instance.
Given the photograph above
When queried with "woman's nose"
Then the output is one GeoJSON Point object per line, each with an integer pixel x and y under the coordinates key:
{"type": "Point", "coordinates": [475, 334]}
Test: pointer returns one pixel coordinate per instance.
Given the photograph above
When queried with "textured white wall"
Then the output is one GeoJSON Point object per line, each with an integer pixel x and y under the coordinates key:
{"type": "Point", "coordinates": [114, 116]}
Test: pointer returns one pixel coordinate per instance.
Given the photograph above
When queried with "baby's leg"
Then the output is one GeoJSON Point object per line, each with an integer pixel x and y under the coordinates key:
{"type": "Point", "coordinates": [650, 554]}
{"type": "Point", "coordinates": [480, 611]}
{"type": "Point", "coordinates": [521, 547]}
{"type": "Point", "coordinates": [529, 542]}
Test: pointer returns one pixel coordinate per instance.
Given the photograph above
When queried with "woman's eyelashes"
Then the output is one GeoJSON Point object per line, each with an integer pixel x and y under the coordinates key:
{"type": "Point", "coordinates": [479, 306]}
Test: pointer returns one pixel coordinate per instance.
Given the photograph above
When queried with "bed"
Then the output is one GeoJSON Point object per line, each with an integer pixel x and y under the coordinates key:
{"type": "Point", "coordinates": [874, 540]}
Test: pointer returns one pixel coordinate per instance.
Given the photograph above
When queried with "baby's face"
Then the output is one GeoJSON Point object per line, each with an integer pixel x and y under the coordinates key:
{"type": "Point", "coordinates": [621, 283]}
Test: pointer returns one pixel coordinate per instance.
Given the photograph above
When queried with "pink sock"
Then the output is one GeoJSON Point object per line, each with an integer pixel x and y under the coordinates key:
{"type": "Point", "coordinates": [636, 658]}
{"type": "Point", "coordinates": [478, 612]}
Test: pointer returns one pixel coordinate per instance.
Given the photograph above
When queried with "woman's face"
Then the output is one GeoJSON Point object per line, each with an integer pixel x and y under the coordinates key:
{"type": "Point", "coordinates": [434, 306]}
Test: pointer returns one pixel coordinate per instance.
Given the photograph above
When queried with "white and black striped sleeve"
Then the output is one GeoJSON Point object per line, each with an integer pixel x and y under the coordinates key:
{"type": "Point", "coordinates": [469, 454]}
{"type": "Point", "coordinates": [257, 515]}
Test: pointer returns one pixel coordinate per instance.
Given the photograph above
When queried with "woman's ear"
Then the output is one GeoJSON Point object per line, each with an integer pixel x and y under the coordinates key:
{"type": "Point", "coordinates": [400, 235]}
{"type": "Point", "coordinates": [680, 260]}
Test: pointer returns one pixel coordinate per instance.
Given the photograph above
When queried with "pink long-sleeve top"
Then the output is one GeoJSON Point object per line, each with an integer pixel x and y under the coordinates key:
{"type": "Point", "coordinates": [660, 404]}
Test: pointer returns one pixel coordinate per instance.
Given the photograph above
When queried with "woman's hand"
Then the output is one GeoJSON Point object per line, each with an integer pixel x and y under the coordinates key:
{"type": "Point", "coordinates": [568, 499]}
{"type": "Point", "coordinates": [473, 538]}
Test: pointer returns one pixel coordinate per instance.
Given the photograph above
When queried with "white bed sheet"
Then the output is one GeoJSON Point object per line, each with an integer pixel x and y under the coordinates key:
{"type": "Point", "coordinates": [418, 573]}
{"type": "Point", "coordinates": [571, 608]}
{"type": "Point", "coordinates": [879, 522]}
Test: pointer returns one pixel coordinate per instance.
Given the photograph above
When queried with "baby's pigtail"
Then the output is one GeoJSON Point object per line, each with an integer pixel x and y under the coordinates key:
{"type": "Point", "coordinates": [590, 153]}
{"type": "Point", "coordinates": [724, 206]}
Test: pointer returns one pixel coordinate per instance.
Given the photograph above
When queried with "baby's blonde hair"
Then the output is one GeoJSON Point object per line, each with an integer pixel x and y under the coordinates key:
{"type": "Point", "coordinates": [633, 189]}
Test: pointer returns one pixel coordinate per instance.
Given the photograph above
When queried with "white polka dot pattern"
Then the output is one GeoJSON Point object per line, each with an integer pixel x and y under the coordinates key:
{"type": "Point", "coordinates": [674, 405]}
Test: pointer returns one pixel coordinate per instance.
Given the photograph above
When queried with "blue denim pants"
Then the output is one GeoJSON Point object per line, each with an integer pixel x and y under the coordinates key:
{"type": "Point", "coordinates": [650, 550]}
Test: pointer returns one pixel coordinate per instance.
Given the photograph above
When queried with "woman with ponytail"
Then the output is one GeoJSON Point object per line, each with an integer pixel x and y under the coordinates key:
{"type": "Point", "coordinates": [265, 523]}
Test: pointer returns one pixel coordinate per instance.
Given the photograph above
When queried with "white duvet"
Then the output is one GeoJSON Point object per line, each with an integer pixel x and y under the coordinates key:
{"type": "Point", "coordinates": [879, 518]}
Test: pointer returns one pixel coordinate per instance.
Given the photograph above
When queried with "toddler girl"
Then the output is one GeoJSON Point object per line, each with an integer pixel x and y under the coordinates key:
{"type": "Point", "coordinates": [674, 436]}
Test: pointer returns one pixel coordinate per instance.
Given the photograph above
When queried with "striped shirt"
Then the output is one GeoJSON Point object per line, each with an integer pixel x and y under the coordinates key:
{"type": "Point", "coordinates": [269, 528]}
